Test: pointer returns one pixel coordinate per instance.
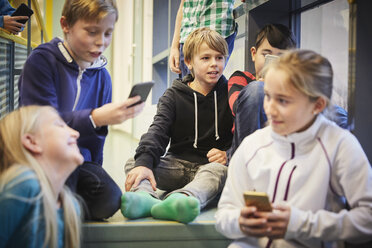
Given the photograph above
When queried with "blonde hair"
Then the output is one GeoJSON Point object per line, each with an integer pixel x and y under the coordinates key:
{"type": "Point", "coordinates": [16, 159]}
{"type": "Point", "coordinates": [197, 37]}
{"type": "Point", "coordinates": [88, 10]}
{"type": "Point", "coordinates": [307, 71]}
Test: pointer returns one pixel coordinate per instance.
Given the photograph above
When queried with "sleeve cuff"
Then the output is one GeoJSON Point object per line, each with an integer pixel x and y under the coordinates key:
{"type": "Point", "coordinates": [294, 224]}
{"type": "Point", "coordinates": [92, 121]}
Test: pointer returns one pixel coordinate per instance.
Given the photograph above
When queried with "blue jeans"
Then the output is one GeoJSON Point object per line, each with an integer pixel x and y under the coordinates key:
{"type": "Point", "coordinates": [230, 43]}
{"type": "Point", "coordinates": [250, 114]}
{"type": "Point", "coordinates": [173, 175]}
{"type": "Point", "coordinates": [101, 195]}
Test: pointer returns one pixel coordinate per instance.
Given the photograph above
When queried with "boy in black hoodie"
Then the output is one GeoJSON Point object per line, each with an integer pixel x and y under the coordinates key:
{"type": "Point", "coordinates": [194, 116]}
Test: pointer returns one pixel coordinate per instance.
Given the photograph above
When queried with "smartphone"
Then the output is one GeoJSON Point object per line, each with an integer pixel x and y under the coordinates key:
{"type": "Point", "coordinates": [142, 90]}
{"type": "Point", "coordinates": [258, 199]}
{"type": "Point", "coordinates": [23, 10]}
{"type": "Point", "coordinates": [268, 59]}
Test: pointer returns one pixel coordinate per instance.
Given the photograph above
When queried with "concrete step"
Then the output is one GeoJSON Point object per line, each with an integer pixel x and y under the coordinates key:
{"type": "Point", "coordinates": [148, 232]}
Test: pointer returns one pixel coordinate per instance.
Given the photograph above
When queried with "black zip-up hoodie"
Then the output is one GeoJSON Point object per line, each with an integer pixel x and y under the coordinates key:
{"type": "Point", "coordinates": [192, 122]}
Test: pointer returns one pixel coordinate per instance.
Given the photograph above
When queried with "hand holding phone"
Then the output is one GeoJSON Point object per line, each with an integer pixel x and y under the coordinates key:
{"type": "Point", "coordinates": [142, 90]}
{"type": "Point", "coordinates": [23, 10]}
{"type": "Point", "coordinates": [258, 199]}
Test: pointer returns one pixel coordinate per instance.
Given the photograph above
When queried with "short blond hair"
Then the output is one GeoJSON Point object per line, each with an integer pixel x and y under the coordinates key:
{"type": "Point", "coordinates": [88, 10]}
{"type": "Point", "coordinates": [197, 37]}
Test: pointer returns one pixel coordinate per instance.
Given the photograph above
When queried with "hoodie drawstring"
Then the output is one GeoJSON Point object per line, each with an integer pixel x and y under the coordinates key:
{"type": "Point", "coordinates": [196, 118]}
{"type": "Point", "coordinates": [216, 116]}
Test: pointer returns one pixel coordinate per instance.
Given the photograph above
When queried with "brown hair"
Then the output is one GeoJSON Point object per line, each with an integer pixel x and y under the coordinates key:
{"type": "Point", "coordinates": [88, 10]}
{"type": "Point", "coordinates": [278, 36]}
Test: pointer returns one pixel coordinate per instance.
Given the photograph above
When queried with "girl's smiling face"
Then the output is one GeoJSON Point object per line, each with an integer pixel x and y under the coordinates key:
{"type": "Point", "coordinates": [288, 109]}
{"type": "Point", "coordinates": [58, 142]}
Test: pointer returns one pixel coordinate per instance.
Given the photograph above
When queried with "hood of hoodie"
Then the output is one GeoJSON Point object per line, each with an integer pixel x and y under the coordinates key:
{"type": "Point", "coordinates": [61, 53]}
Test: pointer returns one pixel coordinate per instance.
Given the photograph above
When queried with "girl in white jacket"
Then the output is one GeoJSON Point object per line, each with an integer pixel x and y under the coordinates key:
{"type": "Point", "coordinates": [316, 174]}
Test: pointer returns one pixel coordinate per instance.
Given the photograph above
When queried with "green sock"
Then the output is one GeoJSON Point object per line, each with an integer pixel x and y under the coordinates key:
{"type": "Point", "coordinates": [177, 207]}
{"type": "Point", "coordinates": [137, 204]}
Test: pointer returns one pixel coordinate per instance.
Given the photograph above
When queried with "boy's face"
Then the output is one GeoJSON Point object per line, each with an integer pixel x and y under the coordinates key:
{"type": "Point", "coordinates": [207, 65]}
{"type": "Point", "coordinates": [288, 110]}
{"type": "Point", "coordinates": [86, 40]}
{"type": "Point", "coordinates": [258, 54]}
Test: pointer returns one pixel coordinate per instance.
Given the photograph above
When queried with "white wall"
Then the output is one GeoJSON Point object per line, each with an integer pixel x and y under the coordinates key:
{"type": "Point", "coordinates": [123, 139]}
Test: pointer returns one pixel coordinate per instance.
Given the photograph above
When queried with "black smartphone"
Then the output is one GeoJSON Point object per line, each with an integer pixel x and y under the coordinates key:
{"type": "Point", "coordinates": [142, 90]}
{"type": "Point", "coordinates": [23, 10]}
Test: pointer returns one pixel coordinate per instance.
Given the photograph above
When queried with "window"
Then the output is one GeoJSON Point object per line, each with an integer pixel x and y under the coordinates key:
{"type": "Point", "coordinates": [324, 29]}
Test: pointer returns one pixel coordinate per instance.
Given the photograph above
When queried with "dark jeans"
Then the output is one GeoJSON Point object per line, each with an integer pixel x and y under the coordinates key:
{"type": "Point", "coordinates": [250, 114]}
{"type": "Point", "coordinates": [101, 195]}
{"type": "Point", "coordinates": [173, 175]}
{"type": "Point", "coordinates": [230, 43]}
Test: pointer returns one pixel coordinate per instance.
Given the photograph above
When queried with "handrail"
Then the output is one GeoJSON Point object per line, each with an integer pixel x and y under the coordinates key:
{"type": "Point", "coordinates": [15, 38]}
{"type": "Point", "coordinates": [39, 19]}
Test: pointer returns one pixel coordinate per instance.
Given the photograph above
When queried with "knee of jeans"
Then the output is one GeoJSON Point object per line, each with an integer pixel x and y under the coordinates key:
{"type": "Point", "coordinates": [215, 168]}
{"type": "Point", "coordinates": [105, 205]}
{"type": "Point", "coordinates": [253, 88]}
{"type": "Point", "coordinates": [253, 93]}
{"type": "Point", "coordinates": [129, 165]}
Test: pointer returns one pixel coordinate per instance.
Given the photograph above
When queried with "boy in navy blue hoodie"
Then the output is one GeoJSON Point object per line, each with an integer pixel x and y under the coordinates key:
{"type": "Point", "coordinates": [70, 75]}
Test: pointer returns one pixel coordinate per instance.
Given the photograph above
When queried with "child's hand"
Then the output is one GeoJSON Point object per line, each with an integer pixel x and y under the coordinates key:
{"type": "Point", "coordinates": [137, 174]}
{"type": "Point", "coordinates": [12, 25]}
{"type": "Point", "coordinates": [253, 223]}
{"type": "Point", "coordinates": [218, 156]}
{"type": "Point", "coordinates": [265, 224]}
{"type": "Point", "coordinates": [278, 221]}
{"type": "Point", "coordinates": [174, 60]}
{"type": "Point", "coordinates": [116, 113]}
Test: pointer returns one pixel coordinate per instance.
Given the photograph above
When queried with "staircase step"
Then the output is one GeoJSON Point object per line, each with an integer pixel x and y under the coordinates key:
{"type": "Point", "coordinates": [148, 232]}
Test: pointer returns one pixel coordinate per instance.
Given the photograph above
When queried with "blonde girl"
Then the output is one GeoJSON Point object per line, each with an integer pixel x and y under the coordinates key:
{"type": "Point", "coordinates": [38, 152]}
{"type": "Point", "coordinates": [310, 168]}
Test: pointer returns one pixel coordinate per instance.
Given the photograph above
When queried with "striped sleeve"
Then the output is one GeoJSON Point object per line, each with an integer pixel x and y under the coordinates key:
{"type": "Point", "coordinates": [237, 81]}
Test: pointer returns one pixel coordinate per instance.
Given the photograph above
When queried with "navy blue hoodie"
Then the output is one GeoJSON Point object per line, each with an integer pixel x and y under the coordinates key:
{"type": "Point", "coordinates": [51, 77]}
{"type": "Point", "coordinates": [192, 122]}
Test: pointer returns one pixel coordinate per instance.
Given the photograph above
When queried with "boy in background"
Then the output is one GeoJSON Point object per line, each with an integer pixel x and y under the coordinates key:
{"type": "Point", "coordinates": [194, 116]}
{"type": "Point", "coordinates": [70, 75]}
{"type": "Point", "coordinates": [246, 94]}
{"type": "Point", "coordinates": [194, 14]}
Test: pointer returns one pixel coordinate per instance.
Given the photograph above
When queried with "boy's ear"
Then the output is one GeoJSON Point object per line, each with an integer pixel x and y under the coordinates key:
{"type": "Point", "coordinates": [65, 27]}
{"type": "Point", "coordinates": [253, 53]}
{"type": "Point", "coordinates": [320, 105]}
{"type": "Point", "coordinates": [188, 64]}
{"type": "Point", "coordinates": [29, 142]}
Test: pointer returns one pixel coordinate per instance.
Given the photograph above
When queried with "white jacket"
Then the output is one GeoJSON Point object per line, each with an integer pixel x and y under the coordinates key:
{"type": "Point", "coordinates": [315, 171]}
